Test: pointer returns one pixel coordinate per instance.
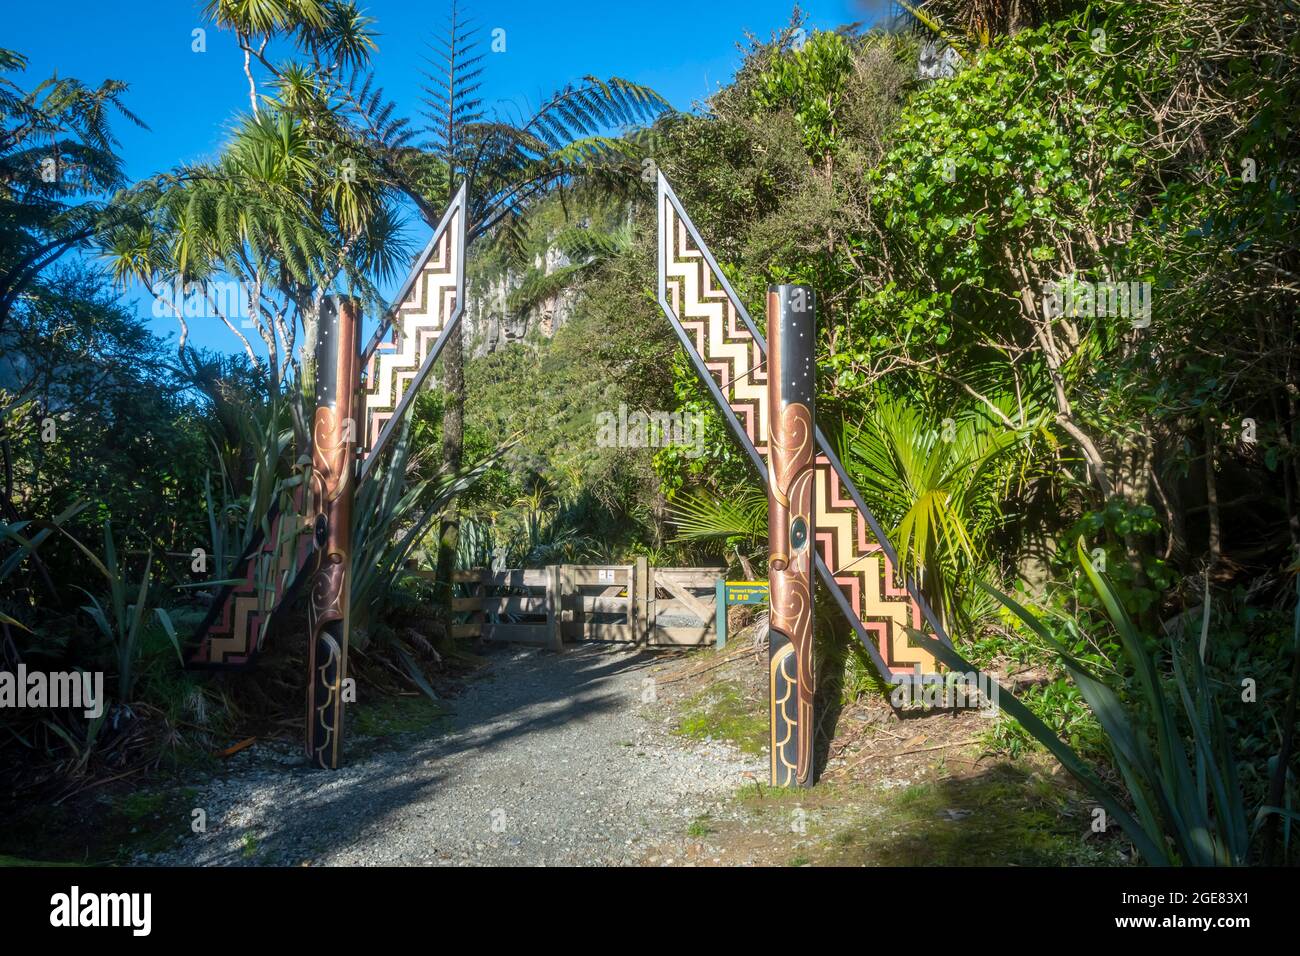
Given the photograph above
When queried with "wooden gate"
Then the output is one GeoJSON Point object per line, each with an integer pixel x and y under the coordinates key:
{"type": "Point", "coordinates": [621, 603]}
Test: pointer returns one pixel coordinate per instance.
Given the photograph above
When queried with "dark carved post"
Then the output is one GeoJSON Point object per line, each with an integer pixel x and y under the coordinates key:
{"type": "Point", "coordinates": [333, 484]}
{"type": "Point", "coordinates": [791, 372]}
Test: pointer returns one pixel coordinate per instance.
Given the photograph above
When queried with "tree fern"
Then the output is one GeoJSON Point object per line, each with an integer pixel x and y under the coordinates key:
{"type": "Point", "coordinates": [65, 126]}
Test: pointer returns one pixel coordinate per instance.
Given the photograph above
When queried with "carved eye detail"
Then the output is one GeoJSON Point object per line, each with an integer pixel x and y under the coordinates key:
{"type": "Point", "coordinates": [798, 534]}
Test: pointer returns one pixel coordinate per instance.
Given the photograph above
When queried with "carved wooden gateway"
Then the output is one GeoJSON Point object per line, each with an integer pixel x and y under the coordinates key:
{"type": "Point", "coordinates": [818, 521]}
{"type": "Point", "coordinates": [397, 361]}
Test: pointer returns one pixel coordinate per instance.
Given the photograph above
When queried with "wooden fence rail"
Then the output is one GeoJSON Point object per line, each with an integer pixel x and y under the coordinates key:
{"type": "Point", "coordinates": [623, 603]}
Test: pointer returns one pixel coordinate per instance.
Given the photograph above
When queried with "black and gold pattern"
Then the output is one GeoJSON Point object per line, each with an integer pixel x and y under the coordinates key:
{"type": "Point", "coordinates": [244, 614]}
{"type": "Point", "coordinates": [402, 354]}
{"type": "Point", "coordinates": [333, 489]}
{"type": "Point", "coordinates": [791, 490]}
{"type": "Point", "coordinates": [783, 683]}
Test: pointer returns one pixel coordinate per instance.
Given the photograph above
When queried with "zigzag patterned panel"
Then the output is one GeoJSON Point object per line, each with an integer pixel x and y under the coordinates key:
{"type": "Point", "coordinates": [731, 353]}
{"type": "Point", "coordinates": [397, 362]}
{"type": "Point", "coordinates": [404, 349]}
{"type": "Point", "coordinates": [854, 557]}
{"type": "Point", "coordinates": [865, 573]}
{"type": "Point", "coordinates": [241, 615]}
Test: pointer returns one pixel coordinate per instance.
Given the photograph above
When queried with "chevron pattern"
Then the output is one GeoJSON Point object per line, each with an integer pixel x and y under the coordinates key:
{"type": "Point", "coordinates": [419, 319]}
{"type": "Point", "coordinates": [866, 575]}
{"type": "Point", "coordinates": [730, 351]}
{"type": "Point", "coordinates": [427, 307]}
{"type": "Point", "coordinates": [242, 612]}
{"type": "Point", "coordinates": [715, 327]}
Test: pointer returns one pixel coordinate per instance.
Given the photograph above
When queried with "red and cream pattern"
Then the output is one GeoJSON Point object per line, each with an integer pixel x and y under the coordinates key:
{"type": "Point", "coordinates": [866, 575]}
{"type": "Point", "coordinates": [730, 353]}
{"type": "Point", "coordinates": [418, 320]}
{"type": "Point", "coordinates": [240, 626]}
{"type": "Point", "coordinates": [735, 358]}
{"type": "Point", "coordinates": [428, 305]}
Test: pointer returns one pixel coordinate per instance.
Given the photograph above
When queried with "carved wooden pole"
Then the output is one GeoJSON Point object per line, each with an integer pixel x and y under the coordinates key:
{"type": "Point", "coordinates": [791, 372]}
{"type": "Point", "coordinates": [333, 447]}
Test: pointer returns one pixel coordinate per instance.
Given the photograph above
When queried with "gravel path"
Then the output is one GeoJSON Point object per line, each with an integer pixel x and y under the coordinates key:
{"type": "Point", "coordinates": [553, 759]}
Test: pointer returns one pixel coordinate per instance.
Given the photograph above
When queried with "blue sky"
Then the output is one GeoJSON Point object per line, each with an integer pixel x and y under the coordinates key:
{"type": "Point", "coordinates": [684, 49]}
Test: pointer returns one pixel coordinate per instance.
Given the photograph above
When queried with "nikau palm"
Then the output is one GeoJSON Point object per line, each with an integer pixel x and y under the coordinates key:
{"type": "Point", "coordinates": [938, 483]}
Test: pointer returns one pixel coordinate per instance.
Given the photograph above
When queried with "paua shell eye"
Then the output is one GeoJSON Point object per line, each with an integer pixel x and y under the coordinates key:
{"type": "Point", "coordinates": [798, 533]}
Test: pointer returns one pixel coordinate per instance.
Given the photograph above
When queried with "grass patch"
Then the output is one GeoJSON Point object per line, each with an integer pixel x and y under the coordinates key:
{"type": "Point", "coordinates": [98, 831]}
{"type": "Point", "coordinates": [700, 827]}
{"type": "Point", "coordinates": [726, 711]}
{"type": "Point", "coordinates": [1003, 816]}
{"type": "Point", "coordinates": [761, 793]}
{"type": "Point", "coordinates": [137, 806]}
{"type": "Point", "coordinates": [391, 716]}
{"type": "Point", "coordinates": [16, 861]}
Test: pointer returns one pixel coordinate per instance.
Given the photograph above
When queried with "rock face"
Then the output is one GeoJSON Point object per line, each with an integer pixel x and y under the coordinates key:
{"type": "Point", "coordinates": [937, 61]}
{"type": "Point", "coordinates": [490, 321]}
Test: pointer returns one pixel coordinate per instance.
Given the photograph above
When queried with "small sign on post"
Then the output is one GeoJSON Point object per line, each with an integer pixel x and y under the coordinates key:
{"type": "Point", "coordinates": [736, 592]}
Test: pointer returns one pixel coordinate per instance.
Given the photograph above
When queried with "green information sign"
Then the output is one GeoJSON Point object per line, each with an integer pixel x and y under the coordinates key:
{"type": "Point", "coordinates": [746, 592]}
{"type": "Point", "coordinates": [736, 592]}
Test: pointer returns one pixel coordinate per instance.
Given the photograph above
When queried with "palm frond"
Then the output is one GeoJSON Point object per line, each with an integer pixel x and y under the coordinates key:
{"type": "Point", "coordinates": [702, 517]}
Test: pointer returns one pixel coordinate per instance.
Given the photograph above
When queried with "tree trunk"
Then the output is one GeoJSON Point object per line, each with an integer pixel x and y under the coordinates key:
{"type": "Point", "coordinates": [1133, 480]}
{"type": "Point", "coordinates": [1212, 497]}
{"type": "Point", "coordinates": [1293, 487]}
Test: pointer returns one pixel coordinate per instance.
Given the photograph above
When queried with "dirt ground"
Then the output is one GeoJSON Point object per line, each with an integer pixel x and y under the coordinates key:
{"type": "Point", "coordinates": [899, 788]}
{"type": "Point", "coordinates": [598, 755]}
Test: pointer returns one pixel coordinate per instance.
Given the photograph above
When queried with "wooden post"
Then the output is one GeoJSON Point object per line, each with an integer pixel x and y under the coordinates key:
{"type": "Point", "coordinates": [475, 579]}
{"type": "Point", "coordinates": [792, 535]}
{"type": "Point", "coordinates": [480, 616]}
{"type": "Point", "coordinates": [630, 619]}
{"type": "Point", "coordinates": [720, 613]}
{"type": "Point", "coordinates": [570, 596]}
{"type": "Point", "coordinates": [334, 436]}
{"type": "Point", "coordinates": [651, 604]}
{"type": "Point", "coordinates": [640, 625]}
{"type": "Point", "coordinates": [554, 607]}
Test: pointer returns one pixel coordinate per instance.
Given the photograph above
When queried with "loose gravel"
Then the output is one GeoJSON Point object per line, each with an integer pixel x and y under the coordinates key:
{"type": "Point", "coordinates": [552, 759]}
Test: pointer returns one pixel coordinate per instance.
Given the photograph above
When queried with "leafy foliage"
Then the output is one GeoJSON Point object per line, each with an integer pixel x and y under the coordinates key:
{"type": "Point", "coordinates": [1171, 748]}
